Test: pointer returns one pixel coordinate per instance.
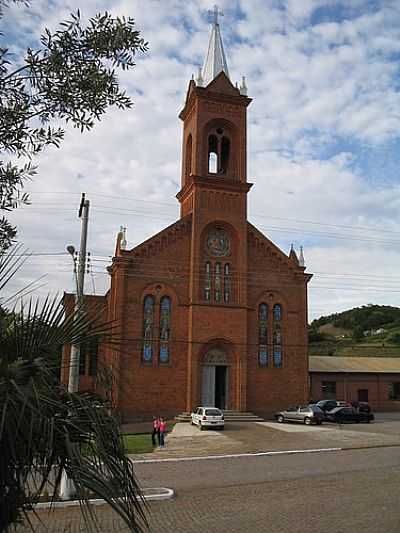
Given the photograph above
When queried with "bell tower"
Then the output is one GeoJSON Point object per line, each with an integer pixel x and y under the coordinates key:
{"type": "Point", "coordinates": [214, 130]}
{"type": "Point", "coordinates": [213, 193]}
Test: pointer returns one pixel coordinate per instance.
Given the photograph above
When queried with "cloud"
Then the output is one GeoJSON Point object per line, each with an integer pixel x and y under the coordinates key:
{"type": "Point", "coordinates": [324, 77]}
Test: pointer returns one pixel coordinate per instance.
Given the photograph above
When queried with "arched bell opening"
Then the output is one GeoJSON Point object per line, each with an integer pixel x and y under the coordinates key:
{"type": "Point", "coordinates": [220, 139]}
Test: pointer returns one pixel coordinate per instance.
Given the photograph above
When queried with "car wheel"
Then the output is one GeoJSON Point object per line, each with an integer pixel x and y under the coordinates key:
{"type": "Point", "coordinates": [368, 421]}
{"type": "Point", "coordinates": [307, 421]}
{"type": "Point", "coordinates": [202, 428]}
{"type": "Point", "coordinates": [221, 428]}
{"type": "Point", "coordinates": [280, 419]}
{"type": "Point", "coordinates": [319, 423]}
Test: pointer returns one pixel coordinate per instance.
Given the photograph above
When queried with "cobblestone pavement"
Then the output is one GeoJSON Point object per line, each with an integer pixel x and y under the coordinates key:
{"type": "Point", "coordinates": [346, 492]}
{"type": "Point", "coordinates": [280, 494]}
{"type": "Point", "coordinates": [244, 437]}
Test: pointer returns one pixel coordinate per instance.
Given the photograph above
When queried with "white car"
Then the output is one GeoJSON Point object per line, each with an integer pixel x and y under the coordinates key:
{"type": "Point", "coordinates": [208, 417]}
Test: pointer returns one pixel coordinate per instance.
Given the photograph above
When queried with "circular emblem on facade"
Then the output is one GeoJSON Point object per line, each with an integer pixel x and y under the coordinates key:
{"type": "Point", "coordinates": [218, 242]}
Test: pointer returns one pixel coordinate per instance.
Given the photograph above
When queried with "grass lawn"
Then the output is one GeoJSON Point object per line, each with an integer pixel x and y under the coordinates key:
{"type": "Point", "coordinates": [138, 443]}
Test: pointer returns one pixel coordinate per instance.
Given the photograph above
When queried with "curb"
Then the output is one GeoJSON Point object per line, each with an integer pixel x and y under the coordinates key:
{"type": "Point", "coordinates": [234, 456]}
{"type": "Point", "coordinates": [156, 494]}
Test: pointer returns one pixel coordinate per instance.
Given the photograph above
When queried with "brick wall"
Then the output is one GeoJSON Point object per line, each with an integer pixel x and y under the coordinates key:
{"type": "Point", "coordinates": [347, 386]}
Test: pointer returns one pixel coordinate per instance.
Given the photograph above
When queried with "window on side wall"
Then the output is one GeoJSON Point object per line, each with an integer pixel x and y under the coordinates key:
{"type": "Point", "coordinates": [394, 391]}
{"type": "Point", "coordinates": [329, 390]}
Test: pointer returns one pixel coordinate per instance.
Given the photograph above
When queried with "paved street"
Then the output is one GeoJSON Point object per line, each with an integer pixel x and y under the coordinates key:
{"type": "Point", "coordinates": [188, 441]}
{"type": "Point", "coordinates": [336, 492]}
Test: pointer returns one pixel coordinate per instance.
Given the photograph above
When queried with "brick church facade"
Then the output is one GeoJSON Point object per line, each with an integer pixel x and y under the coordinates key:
{"type": "Point", "coordinates": [212, 312]}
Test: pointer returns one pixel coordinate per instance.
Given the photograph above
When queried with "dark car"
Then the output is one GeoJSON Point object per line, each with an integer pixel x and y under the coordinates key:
{"type": "Point", "coordinates": [340, 415]}
{"type": "Point", "coordinates": [362, 407]}
{"type": "Point", "coordinates": [328, 405]}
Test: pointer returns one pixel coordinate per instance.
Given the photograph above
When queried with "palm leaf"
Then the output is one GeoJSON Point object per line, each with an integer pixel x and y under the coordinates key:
{"type": "Point", "coordinates": [43, 429]}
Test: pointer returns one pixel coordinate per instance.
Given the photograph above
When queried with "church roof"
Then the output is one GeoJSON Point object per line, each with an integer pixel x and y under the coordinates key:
{"type": "Point", "coordinates": [320, 363]}
{"type": "Point", "coordinates": [215, 61]}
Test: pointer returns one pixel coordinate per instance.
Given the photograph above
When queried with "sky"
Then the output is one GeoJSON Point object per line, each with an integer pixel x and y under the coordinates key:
{"type": "Point", "coordinates": [323, 140]}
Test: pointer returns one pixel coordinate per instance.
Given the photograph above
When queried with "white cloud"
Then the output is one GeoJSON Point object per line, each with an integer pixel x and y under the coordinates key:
{"type": "Point", "coordinates": [318, 91]}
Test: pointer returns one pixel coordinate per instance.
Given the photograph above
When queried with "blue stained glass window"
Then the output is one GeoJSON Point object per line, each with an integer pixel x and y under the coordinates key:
{"type": "Point", "coordinates": [207, 285]}
{"type": "Point", "coordinates": [217, 282]}
{"type": "Point", "coordinates": [227, 283]}
{"type": "Point", "coordinates": [277, 356]}
{"type": "Point", "coordinates": [148, 325]}
{"type": "Point", "coordinates": [263, 334]}
{"type": "Point", "coordinates": [263, 355]}
{"type": "Point", "coordinates": [277, 312]}
{"type": "Point", "coordinates": [165, 325]}
{"type": "Point", "coordinates": [277, 335]}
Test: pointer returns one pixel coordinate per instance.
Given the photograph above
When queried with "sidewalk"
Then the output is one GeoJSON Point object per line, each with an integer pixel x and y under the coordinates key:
{"type": "Point", "coordinates": [188, 441]}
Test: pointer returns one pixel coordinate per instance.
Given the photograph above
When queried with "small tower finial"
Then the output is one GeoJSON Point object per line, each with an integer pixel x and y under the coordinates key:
{"type": "Point", "coordinates": [301, 257]}
{"type": "Point", "coordinates": [243, 87]}
{"type": "Point", "coordinates": [199, 79]}
{"type": "Point", "coordinates": [123, 239]}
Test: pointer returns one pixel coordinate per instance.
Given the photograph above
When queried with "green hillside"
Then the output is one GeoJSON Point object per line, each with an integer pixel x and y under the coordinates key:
{"type": "Point", "coordinates": [370, 330]}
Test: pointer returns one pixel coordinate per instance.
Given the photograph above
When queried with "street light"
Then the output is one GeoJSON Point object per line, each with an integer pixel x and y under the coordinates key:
{"type": "Point", "coordinates": [67, 486]}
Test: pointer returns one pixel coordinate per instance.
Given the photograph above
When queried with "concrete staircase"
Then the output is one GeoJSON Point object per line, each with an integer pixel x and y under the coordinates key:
{"type": "Point", "coordinates": [230, 416]}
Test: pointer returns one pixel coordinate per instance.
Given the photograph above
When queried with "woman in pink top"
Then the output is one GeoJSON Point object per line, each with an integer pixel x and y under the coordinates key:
{"type": "Point", "coordinates": [155, 433]}
{"type": "Point", "coordinates": [162, 430]}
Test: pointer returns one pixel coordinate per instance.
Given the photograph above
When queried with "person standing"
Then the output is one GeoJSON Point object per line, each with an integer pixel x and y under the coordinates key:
{"type": "Point", "coordinates": [155, 433]}
{"type": "Point", "coordinates": [162, 430]}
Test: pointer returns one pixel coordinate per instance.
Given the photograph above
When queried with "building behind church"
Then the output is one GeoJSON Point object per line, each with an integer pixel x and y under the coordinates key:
{"type": "Point", "coordinates": [211, 311]}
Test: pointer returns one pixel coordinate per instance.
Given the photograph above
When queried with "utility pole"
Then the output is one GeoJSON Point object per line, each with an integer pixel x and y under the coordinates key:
{"type": "Point", "coordinates": [73, 381]}
{"type": "Point", "coordinates": [67, 488]}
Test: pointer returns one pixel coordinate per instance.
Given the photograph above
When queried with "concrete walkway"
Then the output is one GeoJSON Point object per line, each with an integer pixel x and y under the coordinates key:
{"type": "Point", "coordinates": [188, 441]}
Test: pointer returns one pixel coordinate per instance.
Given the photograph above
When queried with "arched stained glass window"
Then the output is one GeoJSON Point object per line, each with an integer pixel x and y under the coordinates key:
{"type": "Point", "coordinates": [148, 326]}
{"type": "Point", "coordinates": [165, 328]}
{"type": "Point", "coordinates": [207, 282]}
{"type": "Point", "coordinates": [217, 282]}
{"type": "Point", "coordinates": [227, 283]}
{"type": "Point", "coordinates": [277, 335]}
{"type": "Point", "coordinates": [263, 334]}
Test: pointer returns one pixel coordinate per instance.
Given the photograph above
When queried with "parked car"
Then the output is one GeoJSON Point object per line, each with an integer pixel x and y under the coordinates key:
{"type": "Point", "coordinates": [204, 417]}
{"type": "Point", "coordinates": [328, 405]}
{"type": "Point", "coordinates": [341, 415]}
{"type": "Point", "coordinates": [362, 407]}
{"type": "Point", "coordinates": [308, 414]}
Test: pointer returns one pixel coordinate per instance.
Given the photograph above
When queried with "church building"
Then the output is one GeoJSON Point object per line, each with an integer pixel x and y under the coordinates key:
{"type": "Point", "coordinates": [211, 311]}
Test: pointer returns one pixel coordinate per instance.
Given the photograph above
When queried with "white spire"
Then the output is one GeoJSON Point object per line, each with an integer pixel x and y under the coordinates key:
{"type": "Point", "coordinates": [215, 61]}
{"type": "Point", "coordinates": [301, 258]}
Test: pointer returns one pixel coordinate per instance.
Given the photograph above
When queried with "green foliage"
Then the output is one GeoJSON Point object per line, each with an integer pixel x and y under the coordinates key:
{"type": "Point", "coordinates": [315, 336]}
{"type": "Point", "coordinates": [43, 428]}
{"type": "Point", "coordinates": [367, 317]}
{"type": "Point", "coordinates": [394, 338]}
{"type": "Point", "coordinates": [72, 78]}
{"type": "Point", "coordinates": [358, 333]}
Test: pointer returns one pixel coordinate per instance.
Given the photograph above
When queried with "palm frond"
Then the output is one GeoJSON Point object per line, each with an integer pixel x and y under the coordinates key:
{"type": "Point", "coordinates": [44, 430]}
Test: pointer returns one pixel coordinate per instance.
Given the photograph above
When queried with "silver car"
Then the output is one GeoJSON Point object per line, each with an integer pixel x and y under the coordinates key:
{"type": "Point", "coordinates": [307, 414]}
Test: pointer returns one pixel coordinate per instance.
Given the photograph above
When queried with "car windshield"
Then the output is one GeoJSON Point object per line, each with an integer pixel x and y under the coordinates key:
{"type": "Point", "coordinates": [213, 412]}
{"type": "Point", "coordinates": [315, 408]}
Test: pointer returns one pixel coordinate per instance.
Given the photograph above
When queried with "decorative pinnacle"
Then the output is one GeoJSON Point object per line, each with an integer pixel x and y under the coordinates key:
{"type": "Point", "coordinates": [301, 258]}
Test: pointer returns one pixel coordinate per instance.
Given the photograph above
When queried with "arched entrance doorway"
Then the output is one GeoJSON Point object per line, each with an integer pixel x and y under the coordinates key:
{"type": "Point", "coordinates": [215, 379]}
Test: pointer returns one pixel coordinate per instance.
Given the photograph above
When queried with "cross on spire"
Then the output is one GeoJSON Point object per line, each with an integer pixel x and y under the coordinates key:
{"type": "Point", "coordinates": [214, 13]}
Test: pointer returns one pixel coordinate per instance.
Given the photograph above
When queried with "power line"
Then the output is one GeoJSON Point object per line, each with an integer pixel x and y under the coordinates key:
{"type": "Point", "coordinates": [168, 204]}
